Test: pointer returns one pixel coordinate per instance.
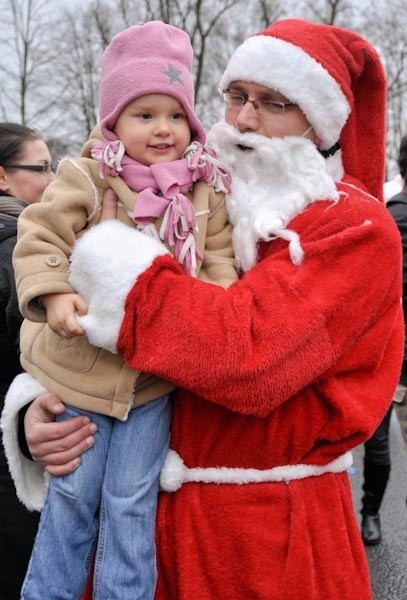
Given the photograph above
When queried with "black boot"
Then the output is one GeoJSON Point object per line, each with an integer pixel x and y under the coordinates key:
{"type": "Point", "coordinates": [371, 530]}
{"type": "Point", "coordinates": [376, 477]}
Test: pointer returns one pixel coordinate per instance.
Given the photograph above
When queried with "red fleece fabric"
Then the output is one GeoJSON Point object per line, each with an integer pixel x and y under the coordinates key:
{"type": "Point", "coordinates": [263, 541]}
{"type": "Point", "coordinates": [297, 365]}
{"type": "Point", "coordinates": [324, 327]}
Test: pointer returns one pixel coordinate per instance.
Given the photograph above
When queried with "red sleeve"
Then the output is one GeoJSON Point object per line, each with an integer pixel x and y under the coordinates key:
{"type": "Point", "coordinates": [281, 327]}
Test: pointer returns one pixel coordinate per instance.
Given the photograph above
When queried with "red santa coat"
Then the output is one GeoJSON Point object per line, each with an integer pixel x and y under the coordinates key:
{"type": "Point", "coordinates": [297, 365]}
{"type": "Point", "coordinates": [292, 365]}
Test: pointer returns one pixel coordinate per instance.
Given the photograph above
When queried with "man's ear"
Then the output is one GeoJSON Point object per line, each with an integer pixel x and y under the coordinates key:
{"type": "Point", "coordinates": [4, 186]}
{"type": "Point", "coordinates": [316, 139]}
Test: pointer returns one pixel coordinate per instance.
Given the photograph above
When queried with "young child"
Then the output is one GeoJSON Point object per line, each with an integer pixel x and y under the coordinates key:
{"type": "Point", "coordinates": [151, 153]}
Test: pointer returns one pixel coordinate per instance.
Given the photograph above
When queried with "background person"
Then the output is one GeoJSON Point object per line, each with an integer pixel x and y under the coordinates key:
{"type": "Point", "coordinates": [397, 206]}
{"type": "Point", "coordinates": [377, 459]}
{"type": "Point", "coordinates": [290, 367]}
{"type": "Point", "coordinates": [25, 171]}
{"type": "Point", "coordinates": [376, 473]}
{"type": "Point", "coordinates": [170, 185]}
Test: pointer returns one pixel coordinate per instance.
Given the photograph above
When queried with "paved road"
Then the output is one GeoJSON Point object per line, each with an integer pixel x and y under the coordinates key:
{"type": "Point", "coordinates": [388, 560]}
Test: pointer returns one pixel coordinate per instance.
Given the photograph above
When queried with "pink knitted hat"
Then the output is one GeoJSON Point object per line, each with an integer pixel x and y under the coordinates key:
{"type": "Point", "coordinates": [149, 58]}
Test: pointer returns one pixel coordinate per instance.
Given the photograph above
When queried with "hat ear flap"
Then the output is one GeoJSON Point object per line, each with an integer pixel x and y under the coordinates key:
{"type": "Point", "coordinates": [363, 138]}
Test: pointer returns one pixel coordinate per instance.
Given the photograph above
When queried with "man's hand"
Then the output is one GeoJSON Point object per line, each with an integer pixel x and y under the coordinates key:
{"type": "Point", "coordinates": [57, 446]}
{"type": "Point", "coordinates": [61, 313]}
{"type": "Point", "coordinates": [109, 206]}
{"type": "Point", "coordinates": [108, 211]}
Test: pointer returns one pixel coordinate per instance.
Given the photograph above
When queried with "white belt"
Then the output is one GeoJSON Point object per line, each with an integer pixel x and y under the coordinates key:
{"type": "Point", "coordinates": [175, 473]}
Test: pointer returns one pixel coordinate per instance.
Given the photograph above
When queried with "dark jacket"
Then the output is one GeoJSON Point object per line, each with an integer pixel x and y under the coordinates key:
{"type": "Point", "coordinates": [10, 318]}
{"type": "Point", "coordinates": [397, 206]}
{"type": "Point", "coordinates": [17, 526]}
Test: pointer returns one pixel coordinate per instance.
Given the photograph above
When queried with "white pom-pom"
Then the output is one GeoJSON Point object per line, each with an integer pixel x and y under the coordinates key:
{"type": "Point", "coordinates": [173, 472]}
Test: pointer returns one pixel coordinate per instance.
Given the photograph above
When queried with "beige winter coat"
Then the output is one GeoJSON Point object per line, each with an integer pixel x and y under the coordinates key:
{"type": "Point", "coordinates": [84, 376]}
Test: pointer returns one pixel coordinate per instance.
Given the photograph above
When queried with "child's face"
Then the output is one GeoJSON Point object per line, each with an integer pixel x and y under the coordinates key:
{"type": "Point", "coordinates": [153, 128]}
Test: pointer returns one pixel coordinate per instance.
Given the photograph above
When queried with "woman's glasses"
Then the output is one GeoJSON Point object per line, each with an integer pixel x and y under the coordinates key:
{"type": "Point", "coordinates": [45, 169]}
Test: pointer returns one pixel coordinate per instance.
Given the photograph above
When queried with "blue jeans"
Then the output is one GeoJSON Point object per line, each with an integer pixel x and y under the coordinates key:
{"type": "Point", "coordinates": [108, 503]}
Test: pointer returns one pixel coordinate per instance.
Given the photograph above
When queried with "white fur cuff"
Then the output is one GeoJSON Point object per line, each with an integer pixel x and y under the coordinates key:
{"type": "Point", "coordinates": [30, 479]}
{"type": "Point", "coordinates": [105, 264]}
{"type": "Point", "coordinates": [175, 473]}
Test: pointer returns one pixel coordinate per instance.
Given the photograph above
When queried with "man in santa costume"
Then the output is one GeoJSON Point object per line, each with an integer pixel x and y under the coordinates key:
{"type": "Point", "coordinates": [287, 370]}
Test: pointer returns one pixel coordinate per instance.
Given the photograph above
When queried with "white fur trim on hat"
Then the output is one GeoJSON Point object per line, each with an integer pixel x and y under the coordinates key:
{"type": "Point", "coordinates": [288, 69]}
{"type": "Point", "coordinates": [175, 473]}
{"type": "Point", "coordinates": [105, 265]}
{"type": "Point", "coordinates": [30, 479]}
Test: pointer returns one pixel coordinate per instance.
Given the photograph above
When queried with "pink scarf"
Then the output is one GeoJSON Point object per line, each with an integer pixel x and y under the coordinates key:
{"type": "Point", "coordinates": [162, 188]}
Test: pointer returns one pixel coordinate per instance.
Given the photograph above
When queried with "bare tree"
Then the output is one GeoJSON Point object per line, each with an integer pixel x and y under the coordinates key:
{"type": "Point", "coordinates": [83, 39]}
{"type": "Point", "coordinates": [390, 40]}
{"type": "Point", "coordinates": [269, 11]}
{"type": "Point", "coordinates": [201, 25]}
{"type": "Point", "coordinates": [331, 12]}
{"type": "Point", "coordinates": [101, 13]}
{"type": "Point", "coordinates": [26, 42]}
{"type": "Point", "coordinates": [50, 75]}
{"type": "Point", "coordinates": [79, 67]}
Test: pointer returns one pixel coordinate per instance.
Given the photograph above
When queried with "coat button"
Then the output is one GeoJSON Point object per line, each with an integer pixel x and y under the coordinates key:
{"type": "Point", "coordinates": [53, 261]}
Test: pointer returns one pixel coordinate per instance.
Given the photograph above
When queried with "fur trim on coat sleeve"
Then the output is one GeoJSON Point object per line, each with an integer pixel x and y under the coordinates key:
{"type": "Point", "coordinates": [105, 265]}
{"type": "Point", "coordinates": [30, 479]}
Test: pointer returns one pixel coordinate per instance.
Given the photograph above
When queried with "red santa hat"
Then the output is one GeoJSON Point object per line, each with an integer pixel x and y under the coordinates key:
{"type": "Point", "coordinates": [337, 79]}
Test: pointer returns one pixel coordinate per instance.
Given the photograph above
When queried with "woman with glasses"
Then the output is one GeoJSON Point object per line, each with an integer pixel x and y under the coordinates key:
{"type": "Point", "coordinates": [25, 163]}
{"type": "Point", "coordinates": [25, 171]}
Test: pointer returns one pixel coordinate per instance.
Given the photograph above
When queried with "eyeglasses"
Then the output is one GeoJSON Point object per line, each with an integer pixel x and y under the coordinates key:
{"type": "Point", "coordinates": [263, 105]}
{"type": "Point", "coordinates": [45, 169]}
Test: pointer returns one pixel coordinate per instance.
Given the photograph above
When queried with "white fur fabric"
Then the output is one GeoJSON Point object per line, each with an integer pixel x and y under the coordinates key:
{"type": "Point", "coordinates": [175, 473]}
{"type": "Point", "coordinates": [105, 265]}
{"type": "Point", "coordinates": [273, 180]}
{"type": "Point", "coordinates": [30, 479]}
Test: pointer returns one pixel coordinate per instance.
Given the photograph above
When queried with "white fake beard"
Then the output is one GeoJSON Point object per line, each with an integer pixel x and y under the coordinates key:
{"type": "Point", "coordinates": [272, 182]}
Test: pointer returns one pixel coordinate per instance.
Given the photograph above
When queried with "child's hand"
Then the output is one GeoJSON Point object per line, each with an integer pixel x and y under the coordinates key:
{"type": "Point", "coordinates": [61, 313]}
